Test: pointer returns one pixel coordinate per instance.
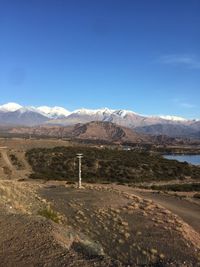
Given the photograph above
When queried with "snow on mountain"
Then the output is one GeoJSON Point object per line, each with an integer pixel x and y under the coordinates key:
{"type": "Point", "coordinates": [27, 109]}
{"type": "Point", "coordinates": [53, 112]}
{"type": "Point", "coordinates": [101, 111]}
{"type": "Point", "coordinates": [10, 107]}
{"type": "Point", "coordinates": [60, 115]}
{"type": "Point", "coordinates": [105, 111]}
{"type": "Point", "coordinates": [24, 116]}
{"type": "Point", "coordinates": [84, 111]}
{"type": "Point", "coordinates": [172, 118]}
{"type": "Point", "coordinates": [50, 112]}
{"type": "Point", "coordinates": [123, 113]}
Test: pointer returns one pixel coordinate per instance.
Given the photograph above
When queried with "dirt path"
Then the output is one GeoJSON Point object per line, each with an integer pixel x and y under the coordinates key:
{"type": "Point", "coordinates": [188, 211]}
{"type": "Point", "coordinates": [6, 159]}
{"type": "Point", "coordinates": [13, 164]}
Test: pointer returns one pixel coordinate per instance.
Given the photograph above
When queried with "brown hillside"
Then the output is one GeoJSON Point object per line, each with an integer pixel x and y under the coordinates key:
{"type": "Point", "coordinates": [107, 131]}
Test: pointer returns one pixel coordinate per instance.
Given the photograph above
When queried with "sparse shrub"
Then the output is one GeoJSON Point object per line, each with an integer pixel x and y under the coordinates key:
{"type": "Point", "coordinates": [15, 161]}
{"type": "Point", "coordinates": [70, 182]}
{"type": "Point", "coordinates": [178, 187]}
{"type": "Point", "coordinates": [105, 182]}
{"type": "Point", "coordinates": [197, 195]}
{"type": "Point", "coordinates": [49, 214]}
{"type": "Point", "coordinates": [7, 170]}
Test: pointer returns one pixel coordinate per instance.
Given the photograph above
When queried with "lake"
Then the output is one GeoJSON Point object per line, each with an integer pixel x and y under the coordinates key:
{"type": "Point", "coordinates": [192, 159]}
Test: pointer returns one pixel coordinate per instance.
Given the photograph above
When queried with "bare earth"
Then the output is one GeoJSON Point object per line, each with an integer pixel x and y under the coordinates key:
{"type": "Point", "coordinates": [187, 210]}
{"type": "Point", "coordinates": [130, 229]}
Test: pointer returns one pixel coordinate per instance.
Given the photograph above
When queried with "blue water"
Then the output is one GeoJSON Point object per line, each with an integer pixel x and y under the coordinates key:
{"type": "Point", "coordinates": [192, 159]}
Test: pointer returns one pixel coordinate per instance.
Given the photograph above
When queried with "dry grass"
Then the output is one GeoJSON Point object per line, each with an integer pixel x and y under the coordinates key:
{"type": "Point", "coordinates": [50, 214]}
{"type": "Point", "coordinates": [20, 197]}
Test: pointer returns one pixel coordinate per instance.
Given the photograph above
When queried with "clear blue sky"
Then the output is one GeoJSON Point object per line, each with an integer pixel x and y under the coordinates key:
{"type": "Point", "coordinates": [131, 54]}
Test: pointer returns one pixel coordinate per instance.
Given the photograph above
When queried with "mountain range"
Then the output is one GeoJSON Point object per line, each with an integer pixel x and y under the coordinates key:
{"type": "Point", "coordinates": [13, 114]}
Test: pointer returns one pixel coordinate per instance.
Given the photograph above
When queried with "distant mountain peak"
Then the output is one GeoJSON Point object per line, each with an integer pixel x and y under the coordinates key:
{"type": "Point", "coordinates": [94, 111]}
{"type": "Point", "coordinates": [53, 112]}
{"type": "Point", "coordinates": [172, 118]}
{"type": "Point", "coordinates": [123, 112]}
{"type": "Point", "coordinates": [60, 112]}
{"type": "Point", "coordinates": [10, 107]}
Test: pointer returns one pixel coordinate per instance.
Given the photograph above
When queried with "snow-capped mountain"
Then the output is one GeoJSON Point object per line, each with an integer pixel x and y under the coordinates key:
{"type": "Point", "coordinates": [15, 114]}
{"type": "Point", "coordinates": [84, 116]}
{"type": "Point", "coordinates": [53, 112]}
{"type": "Point", "coordinates": [89, 114]}
{"type": "Point", "coordinates": [172, 118]}
{"type": "Point", "coordinates": [123, 113]}
{"type": "Point", "coordinates": [10, 107]}
{"type": "Point", "coordinates": [125, 118]}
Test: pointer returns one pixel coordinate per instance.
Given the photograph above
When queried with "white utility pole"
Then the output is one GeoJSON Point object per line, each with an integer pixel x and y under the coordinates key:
{"type": "Point", "coordinates": [79, 156]}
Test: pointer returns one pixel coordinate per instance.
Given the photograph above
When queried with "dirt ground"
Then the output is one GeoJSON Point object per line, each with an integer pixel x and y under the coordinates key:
{"type": "Point", "coordinates": [187, 209]}
{"type": "Point", "coordinates": [21, 144]}
{"type": "Point", "coordinates": [130, 229]}
{"type": "Point", "coordinates": [35, 241]}
{"type": "Point", "coordinates": [99, 225]}
{"type": "Point", "coordinates": [29, 239]}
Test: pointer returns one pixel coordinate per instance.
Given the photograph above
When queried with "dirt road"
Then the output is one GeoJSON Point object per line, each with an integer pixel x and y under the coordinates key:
{"type": "Point", "coordinates": [188, 211]}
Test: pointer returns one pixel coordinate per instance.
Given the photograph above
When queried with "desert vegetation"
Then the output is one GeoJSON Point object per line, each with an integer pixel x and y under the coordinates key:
{"type": "Point", "coordinates": [178, 187]}
{"type": "Point", "coordinates": [190, 149]}
{"type": "Point", "coordinates": [16, 162]}
{"type": "Point", "coordinates": [49, 213]}
{"type": "Point", "coordinates": [106, 165]}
